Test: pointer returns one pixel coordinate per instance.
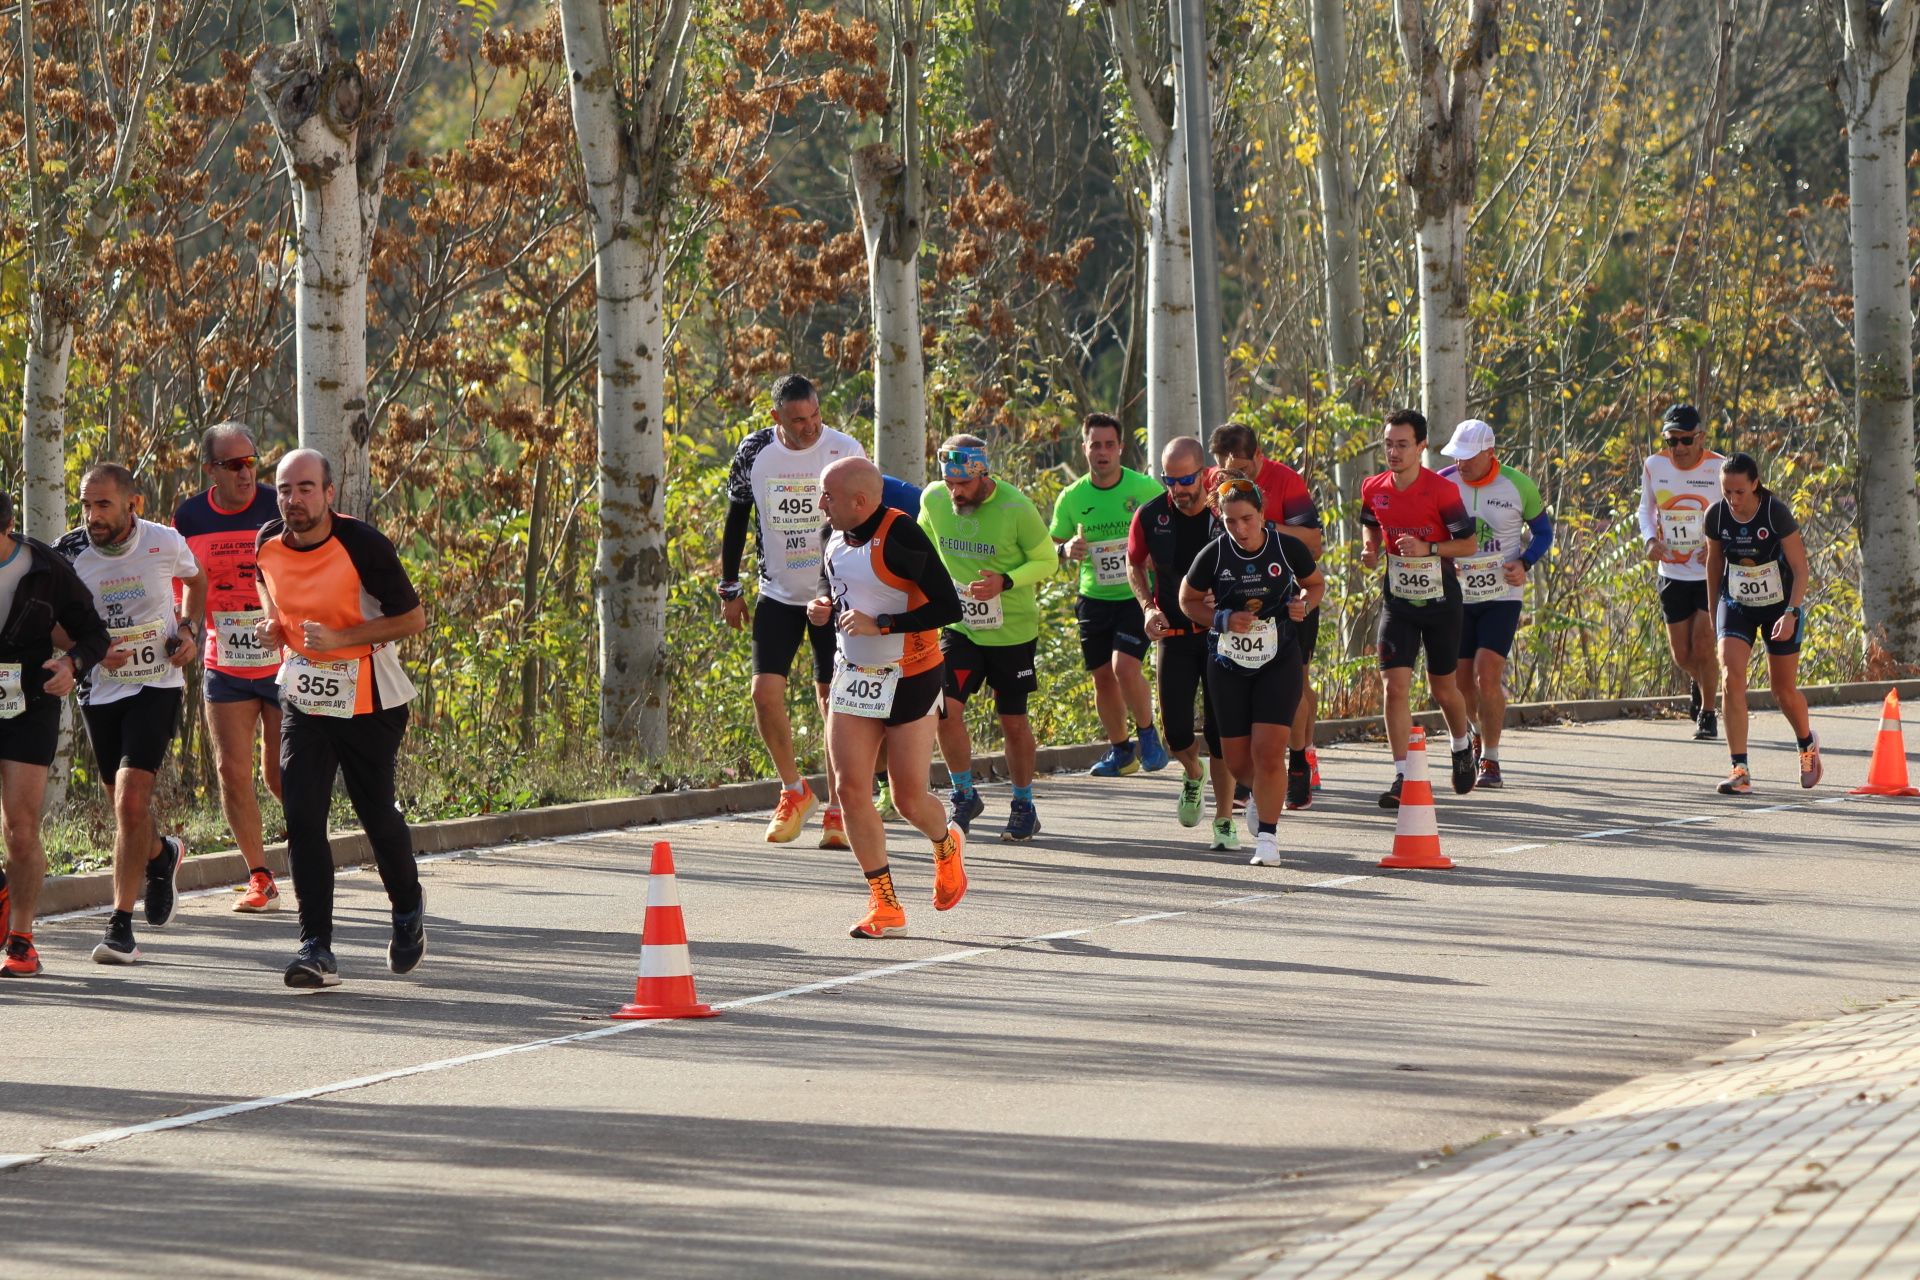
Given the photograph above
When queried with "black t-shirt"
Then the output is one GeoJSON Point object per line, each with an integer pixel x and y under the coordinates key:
{"type": "Point", "coordinates": [1169, 541]}
{"type": "Point", "coordinates": [1259, 582]}
{"type": "Point", "coordinates": [1756, 541]}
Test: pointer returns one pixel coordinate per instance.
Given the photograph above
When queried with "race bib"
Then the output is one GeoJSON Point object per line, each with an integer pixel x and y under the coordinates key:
{"type": "Point", "coordinates": [982, 615]}
{"type": "Point", "coordinates": [1255, 648]}
{"type": "Point", "coordinates": [1415, 579]}
{"type": "Point", "coordinates": [320, 688]}
{"type": "Point", "coordinates": [863, 691]}
{"type": "Point", "coordinates": [1109, 562]}
{"type": "Point", "coordinates": [793, 504]}
{"type": "Point", "coordinates": [146, 647]}
{"type": "Point", "coordinates": [13, 695]}
{"type": "Point", "coordinates": [238, 645]}
{"type": "Point", "coordinates": [1756, 584]}
{"type": "Point", "coordinates": [1683, 529]}
{"type": "Point", "coordinates": [1482, 578]}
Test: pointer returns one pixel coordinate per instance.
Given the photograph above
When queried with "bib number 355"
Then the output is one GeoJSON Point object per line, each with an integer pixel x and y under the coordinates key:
{"type": "Point", "coordinates": [320, 688]}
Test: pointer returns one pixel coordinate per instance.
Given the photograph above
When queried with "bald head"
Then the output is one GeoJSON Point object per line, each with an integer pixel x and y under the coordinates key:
{"type": "Point", "coordinates": [1184, 452]}
{"type": "Point", "coordinates": [304, 486]}
{"type": "Point", "coordinates": [850, 490]}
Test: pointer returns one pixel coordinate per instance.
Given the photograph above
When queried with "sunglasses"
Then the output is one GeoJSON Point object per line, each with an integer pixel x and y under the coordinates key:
{"type": "Point", "coordinates": [1182, 481]}
{"type": "Point", "coordinates": [247, 463]}
{"type": "Point", "coordinates": [1681, 437]}
{"type": "Point", "coordinates": [1236, 487]}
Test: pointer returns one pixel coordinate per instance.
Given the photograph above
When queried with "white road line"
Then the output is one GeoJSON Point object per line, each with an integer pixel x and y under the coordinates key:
{"type": "Point", "coordinates": [1610, 831]}
{"type": "Point", "coordinates": [1516, 848]}
{"type": "Point", "coordinates": [1681, 822]}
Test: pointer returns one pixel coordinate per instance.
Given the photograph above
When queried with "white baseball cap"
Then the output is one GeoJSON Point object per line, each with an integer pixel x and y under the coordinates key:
{"type": "Point", "coordinates": [1470, 439]}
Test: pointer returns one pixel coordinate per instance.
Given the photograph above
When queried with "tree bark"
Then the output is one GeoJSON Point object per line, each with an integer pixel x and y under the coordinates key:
{"type": "Point", "coordinates": [1339, 226]}
{"type": "Point", "coordinates": [1875, 75]}
{"type": "Point", "coordinates": [886, 188]}
{"type": "Point", "coordinates": [43, 506]}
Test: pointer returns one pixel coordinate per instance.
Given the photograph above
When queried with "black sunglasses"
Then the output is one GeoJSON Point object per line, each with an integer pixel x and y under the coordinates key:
{"type": "Point", "coordinates": [247, 463]}
{"type": "Point", "coordinates": [1180, 480]}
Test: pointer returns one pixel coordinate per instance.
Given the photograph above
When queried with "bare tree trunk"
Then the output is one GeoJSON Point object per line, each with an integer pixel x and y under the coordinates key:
{"type": "Point", "coordinates": [886, 185]}
{"type": "Point", "coordinates": [1443, 161]}
{"type": "Point", "coordinates": [43, 506]}
{"type": "Point", "coordinates": [1339, 229]}
{"type": "Point", "coordinates": [625, 149]}
{"type": "Point", "coordinates": [1875, 74]}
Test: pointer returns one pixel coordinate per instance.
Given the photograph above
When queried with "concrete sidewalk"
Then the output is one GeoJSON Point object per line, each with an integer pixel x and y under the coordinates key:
{"type": "Point", "coordinates": [1797, 1155]}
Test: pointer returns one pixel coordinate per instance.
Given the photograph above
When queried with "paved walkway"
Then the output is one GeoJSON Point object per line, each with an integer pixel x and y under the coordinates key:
{"type": "Point", "coordinates": [1798, 1157]}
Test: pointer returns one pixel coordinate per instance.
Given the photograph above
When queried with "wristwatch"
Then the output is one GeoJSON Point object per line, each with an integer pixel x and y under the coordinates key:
{"type": "Point", "coordinates": [884, 621]}
{"type": "Point", "coordinates": [730, 590]}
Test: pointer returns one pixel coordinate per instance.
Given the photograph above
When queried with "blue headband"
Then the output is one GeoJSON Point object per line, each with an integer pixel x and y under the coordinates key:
{"type": "Point", "coordinates": [963, 462]}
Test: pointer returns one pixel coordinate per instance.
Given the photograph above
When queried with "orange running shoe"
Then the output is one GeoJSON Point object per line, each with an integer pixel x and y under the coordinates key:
{"type": "Point", "coordinates": [833, 830]}
{"type": "Point", "coordinates": [884, 913]}
{"type": "Point", "coordinates": [791, 813]}
{"type": "Point", "coordinates": [949, 872]}
{"type": "Point", "coordinates": [261, 894]}
{"type": "Point", "coordinates": [19, 960]}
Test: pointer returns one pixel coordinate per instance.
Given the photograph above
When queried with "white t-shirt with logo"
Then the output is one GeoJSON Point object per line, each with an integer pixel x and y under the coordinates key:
{"type": "Point", "coordinates": [1673, 505]}
{"type": "Point", "coordinates": [784, 487]}
{"type": "Point", "coordinates": [133, 594]}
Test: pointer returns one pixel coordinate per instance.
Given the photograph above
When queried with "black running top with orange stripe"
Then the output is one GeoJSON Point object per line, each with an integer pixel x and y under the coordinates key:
{"type": "Point", "coordinates": [351, 576]}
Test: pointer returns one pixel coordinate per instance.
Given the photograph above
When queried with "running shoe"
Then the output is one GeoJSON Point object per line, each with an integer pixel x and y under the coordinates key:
{"type": "Point", "coordinates": [1191, 797]}
{"type": "Point", "coordinates": [833, 830]}
{"type": "Point", "coordinates": [1023, 822]}
{"type": "Point", "coordinates": [1489, 774]}
{"type": "Point", "coordinates": [409, 939]}
{"type": "Point", "coordinates": [884, 913]}
{"type": "Point", "coordinates": [883, 800]}
{"type": "Point", "coordinates": [963, 807]}
{"type": "Point", "coordinates": [261, 894]}
{"type": "Point", "coordinates": [20, 960]}
{"type": "Point", "coordinates": [791, 813]}
{"type": "Point", "coordinates": [1153, 752]}
{"type": "Point", "coordinates": [1463, 771]}
{"type": "Point", "coordinates": [118, 946]}
{"type": "Point", "coordinates": [1266, 850]}
{"type": "Point", "coordinates": [1225, 837]}
{"type": "Point", "coordinates": [1475, 745]}
{"type": "Point", "coordinates": [6, 907]}
{"type": "Point", "coordinates": [1118, 761]}
{"type": "Point", "coordinates": [163, 876]}
{"type": "Point", "coordinates": [1693, 700]}
{"type": "Point", "coordinates": [1299, 788]}
{"type": "Point", "coordinates": [1706, 727]}
{"type": "Point", "coordinates": [1390, 798]}
{"type": "Point", "coordinates": [313, 967]}
{"type": "Point", "coordinates": [950, 872]}
{"type": "Point", "coordinates": [1313, 763]}
{"type": "Point", "coordinates": [1811, 769]}
{"type": "Point", "coordinates": [1739, 782]}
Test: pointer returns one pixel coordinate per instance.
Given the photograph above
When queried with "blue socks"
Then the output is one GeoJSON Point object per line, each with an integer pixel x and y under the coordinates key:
{"type": "Point", "coordinates": [962, 780]}
{"type": "Point", "coordinates": [1023, 793]}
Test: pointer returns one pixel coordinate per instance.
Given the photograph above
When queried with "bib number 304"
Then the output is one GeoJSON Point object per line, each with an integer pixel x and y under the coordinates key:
{"type": "Point", "coordinates": [1252, 649]}
{"type": "Point", "coordinates": [863, 691]}
{"type": "Point", "coordinates": [320, 688]}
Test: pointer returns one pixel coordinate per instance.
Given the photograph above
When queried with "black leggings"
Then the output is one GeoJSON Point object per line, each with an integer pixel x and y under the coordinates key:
{"type": "Point", "coordinates": [1181, 674]}
{"type": "Point", "coordinates": [362, 751]}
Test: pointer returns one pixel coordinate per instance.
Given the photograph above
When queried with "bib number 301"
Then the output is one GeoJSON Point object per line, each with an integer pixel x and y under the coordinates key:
{"type": "Point", "coordinates": [320, 688]}
{"type": "Point", "coordinates": [1756, 584]}
{"type": "Point", "coordinates": [1415, 579]}
{"type": "Point", "coordinates": [863, 691]}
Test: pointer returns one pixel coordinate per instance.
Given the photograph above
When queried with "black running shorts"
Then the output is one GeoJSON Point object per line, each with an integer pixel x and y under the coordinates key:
{"type": "Point", "coordinates": [33, 736]}
{"type": "Point", "coordinates": [1681, 600]}
{"type": "Point", "coordinates": [1405, 631]}
{"type": "Point", "coordinates": [1011, 670]}
{"type": "Point", "coordinates": [1754, 626]}
{"type": "Point", "coordinates": [133, 733]}
{"type": "Point", "coordinates": [778, 629]}
{"type": "Point", "coordinates": [917, 695]}
{"type": "Point", "coordinates": [1108, 627]}
{"type": "Point", "coordinates": [1269, 695]}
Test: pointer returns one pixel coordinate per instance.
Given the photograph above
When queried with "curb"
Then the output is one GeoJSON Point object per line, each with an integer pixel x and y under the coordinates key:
{"type": "Point", "coordinates": [350, 848]}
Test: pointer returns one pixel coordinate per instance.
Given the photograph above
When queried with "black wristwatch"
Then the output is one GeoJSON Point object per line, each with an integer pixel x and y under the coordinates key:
{"type": "Point", "coordinates": [885, 622]}
{"type": "Point", "coordinates": [730, 590]}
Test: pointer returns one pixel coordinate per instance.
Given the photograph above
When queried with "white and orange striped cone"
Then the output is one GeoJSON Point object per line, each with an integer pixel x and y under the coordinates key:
{"type": "Point", "coordinates": [1887, 771]}
{"type": "Point", "coordinates": [1416, 832]}
{"type": "Point", "coordinates": [664, 988]}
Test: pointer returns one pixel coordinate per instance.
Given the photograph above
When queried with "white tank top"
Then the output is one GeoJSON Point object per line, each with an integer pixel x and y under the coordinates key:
{"type": "Point", "coordinates": [857, 581]}
{"type": "Point", "coordinates": [1672, 500]}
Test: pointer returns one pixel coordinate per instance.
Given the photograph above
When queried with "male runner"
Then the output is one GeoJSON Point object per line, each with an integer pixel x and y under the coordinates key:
{"type": "Point", "coordinates": [776, 473]}
{"type": "Point", "coordinates": [995, 547]}
{"type": "Point", "coordinates": [132, 699]}
{"type": "Point", "coordinates": [1289, 505]}
{"type": "Point", "coordinates": [221, 525]}
{"type": "Point", "coordinates": [1090, 522]}
{"type": "Point", "coordinates": [39, 592]}
{"type": "Point", "coordinates": [886, 594]}
{"type": "Point", "coordinates": [1167, 533]}
{"type": "Point", "coordinates": [902, 496]}
{"type": "Point", "coordinates": [335, 595]}
{"type": "Point", "coordinates": [1515, 533]}
{"type": "Point", "coordinates": [1417, 520]}
{"type": "Point", "coordinates": [1677, 485]}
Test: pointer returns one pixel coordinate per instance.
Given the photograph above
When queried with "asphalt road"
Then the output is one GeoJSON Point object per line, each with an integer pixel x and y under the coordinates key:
{"type": "Point", "coordinates": [1120, 1055]}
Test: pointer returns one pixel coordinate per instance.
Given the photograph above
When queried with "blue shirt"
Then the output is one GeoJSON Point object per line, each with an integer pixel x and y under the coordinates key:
{"type": "Point", "coordinates": [900, 495]}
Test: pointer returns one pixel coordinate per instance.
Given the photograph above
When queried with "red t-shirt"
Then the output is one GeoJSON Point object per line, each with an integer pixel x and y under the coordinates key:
{"type": "Point", "coordinates": [1288, 500]}
{"type": "Point", "coordinates": [1430, 509]}
{"type": "Point", "coordinates": [222, 541]}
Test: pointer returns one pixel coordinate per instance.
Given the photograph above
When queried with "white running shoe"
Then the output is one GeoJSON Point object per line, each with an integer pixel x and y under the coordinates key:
{"type": "Point", "coordinates": [1266, 850]}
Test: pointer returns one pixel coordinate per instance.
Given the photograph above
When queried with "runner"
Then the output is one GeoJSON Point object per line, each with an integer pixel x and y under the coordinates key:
{"type": "Point", "coordinates": [886, 593]}
{"type": "Point", "coordinates": [904, 497]}
{"type": "Point", "coordinates": [1417, 520]}
{"type": "Point", "coordinates": [1288, 504]}
{"type": "Point", "coordinates": [776, 473]}
{"type": "Point", "coordinates": [221, 526]}
{"type": "Point", "coordinates": [995, 546]}
{"type": "Point", "coordinates": [132, 699]}
{"type": "Point", "coordinates": [39, 592]}
{"type": "Point", "coordinates": [1090, 522]}
{"type": "Point", "coordinates": [1757, 573]}
{"type": "Point", "coordinates": [1252, 586]}
{"type": "Point", "coordinates": [1515, 533]}
{"type": "Point", "coordinates": [1166, 535]}
{"type": "Point", "coordinates": [336, 596]}
{"type": "Point", "coordinates": [1677, 485]}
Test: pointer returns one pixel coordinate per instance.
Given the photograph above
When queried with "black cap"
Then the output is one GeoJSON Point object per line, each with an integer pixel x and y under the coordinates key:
{"type": "Point", "coordinates": [1682, 416]}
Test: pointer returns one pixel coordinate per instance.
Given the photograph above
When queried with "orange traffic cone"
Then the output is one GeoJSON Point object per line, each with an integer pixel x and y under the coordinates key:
{"type": "Point", "coordinates": [1887, 771]}
{"type": "Point", "coordinates": [1416, 833]}
{"type": "Point", "coordinates": [665, 986]}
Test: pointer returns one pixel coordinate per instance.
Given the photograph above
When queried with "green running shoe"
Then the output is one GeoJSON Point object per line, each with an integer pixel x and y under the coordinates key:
{"type": "Point", "coordinates": [1190, 789]}
{"type": "Point", "coordinates": [883, 800]}
{"type": "Point", "coordinates": [1225, 838]}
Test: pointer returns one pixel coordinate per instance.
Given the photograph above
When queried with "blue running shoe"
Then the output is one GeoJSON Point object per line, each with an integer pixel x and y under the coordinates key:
{"type": "Point", "coordinates": [1153, 752]}
{"type": "Point", "coordinates": [963, 807]}
{"type": "Point", "coordinates": [1118, 760]}
{"type": "Point", "coordinates": [1023, 822]}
